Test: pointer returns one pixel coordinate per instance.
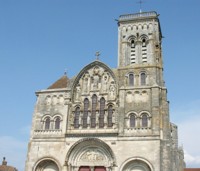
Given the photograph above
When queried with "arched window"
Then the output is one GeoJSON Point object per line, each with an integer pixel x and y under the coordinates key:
{"type": "Point", "coordinates": [102, 112]}
{"type": "Point", "coordinates": [85, 112]}
{"type": "Point", "coordinates": [132, 120]}
{"type": "Point", "coordinates": [131, 79]}
{"type": "Point", "coordinates": [144, 120]}
{"type": "Point", "coordinates": [94, 106]}
{"type": "Point", "coordinates": [144, 50]}
{"type": "Point", "coordinates": [76, 117]}
{"type": "Point", "coordinates": [57, 123]}
{"type": "Point", "coordinates": [132, 58]}
{"type": "Point", "coordinates": [47, 123]}
{"type": "Point", "coordinates": [143, 78]}
{"type": "Point", "coordinates": [110, 113]}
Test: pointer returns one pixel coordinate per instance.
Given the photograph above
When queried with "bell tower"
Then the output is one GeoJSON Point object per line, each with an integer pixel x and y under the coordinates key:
{"type": "Point", "coordinates": [139, 39]}
{"type": "Point", "coordinates": [139, 44]}
{"type": "Point", "coordinates": [143, 105]}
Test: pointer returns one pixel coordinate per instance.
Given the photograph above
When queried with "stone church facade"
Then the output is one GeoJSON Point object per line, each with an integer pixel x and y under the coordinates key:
{"type": "Point", "coordinates": [107, 119]}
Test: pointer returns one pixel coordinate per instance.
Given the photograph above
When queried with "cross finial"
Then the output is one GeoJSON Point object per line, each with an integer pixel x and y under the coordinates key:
{"type": "Point", "coordinates": [97, 54]}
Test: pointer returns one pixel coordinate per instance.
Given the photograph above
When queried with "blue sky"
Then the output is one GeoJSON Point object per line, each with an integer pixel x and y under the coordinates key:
{"type": "Point", "coordinates": [39, 39]}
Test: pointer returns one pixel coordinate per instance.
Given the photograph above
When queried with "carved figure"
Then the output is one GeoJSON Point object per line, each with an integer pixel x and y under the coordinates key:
{"type": "Point", "coordinates": [105, 82]}
{"type": "Point", "coordinates": [95, 82]}
{"type": "Point", "coordinates": [78, 92]}
{"type": "Point", "coordinates": [92, 156]}
{"type": "Point", "coordinates": [85, 83]}
{"type": "Point", "coordinates": [112, 91]}
{"type": "Point", "coordinates": [88, 118]}
{"type": "Point", "coordinates": [96, 78]}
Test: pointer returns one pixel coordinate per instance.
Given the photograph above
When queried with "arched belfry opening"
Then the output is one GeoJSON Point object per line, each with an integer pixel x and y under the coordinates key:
{"type": "Point", "coordinates": [90, 154]}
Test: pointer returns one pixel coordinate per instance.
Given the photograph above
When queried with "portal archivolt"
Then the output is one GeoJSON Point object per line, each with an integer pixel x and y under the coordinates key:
{"type": "Point", "coordinates": [90, 155]}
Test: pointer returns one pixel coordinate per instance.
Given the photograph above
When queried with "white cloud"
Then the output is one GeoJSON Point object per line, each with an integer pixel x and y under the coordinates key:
{"type": "Point", "coordinates": [188, 122]}
{"type": "Point", "coordinates": [14, 150]}
{"type": "Point", "coordinates": [192, 161]}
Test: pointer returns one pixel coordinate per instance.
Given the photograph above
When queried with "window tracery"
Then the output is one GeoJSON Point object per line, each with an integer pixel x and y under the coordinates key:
{"type": "Point", "coordinates": [93, 89]}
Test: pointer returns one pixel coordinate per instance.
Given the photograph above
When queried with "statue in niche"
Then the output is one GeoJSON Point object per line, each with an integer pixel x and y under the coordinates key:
{"type": "Point", "coordinates": [105, 82]}
{"type": "Point", "coordinates": [96, 78]}
{"type": "Point", "coordinates": [78, 92]}
{"type": "Point", "coordinates": [72, 117]}
{"type": "Point", "coordinates": [112, 91]}
{"type": "Point", "coordinates": [85, 83]}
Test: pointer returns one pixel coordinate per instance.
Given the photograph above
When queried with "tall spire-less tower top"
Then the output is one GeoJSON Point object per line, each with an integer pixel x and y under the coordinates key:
{"type": "Point", "coordinates": [139, 39]}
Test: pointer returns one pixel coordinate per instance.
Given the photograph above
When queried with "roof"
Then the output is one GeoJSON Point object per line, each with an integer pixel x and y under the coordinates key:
{"type": "Point", "coordinates": [5, 167]}
{"type": "Point", "coordinates": [141, 15]}
{"type": "Point", "coordinates": [60, 83]}
{"type": "Point", "coordinates": [192, 169]}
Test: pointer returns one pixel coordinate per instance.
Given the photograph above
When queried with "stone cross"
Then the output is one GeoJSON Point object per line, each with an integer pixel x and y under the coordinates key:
{"type": "Point", "coordinates": [97, 54]}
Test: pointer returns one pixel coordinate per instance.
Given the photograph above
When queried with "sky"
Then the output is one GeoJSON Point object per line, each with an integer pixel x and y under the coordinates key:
{"type": "Point", "coordinates": [40, 39]}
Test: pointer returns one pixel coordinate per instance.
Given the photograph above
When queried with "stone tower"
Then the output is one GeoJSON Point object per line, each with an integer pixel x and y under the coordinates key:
{"type": "Point", "coordinates": [107, 119]}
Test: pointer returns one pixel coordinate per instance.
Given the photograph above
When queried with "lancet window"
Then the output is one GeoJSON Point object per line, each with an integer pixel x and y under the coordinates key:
{"type": "Point", "coordinates": [110, 115]}
{"type": "Point", "coordinates": [102, 113]}
{"type": "Point", "coordinates": [131, 79]}
{"type": "Point", "coordinates": [144, 120]}
{"type": "Point", "coordinates": [139, 121]}
{"type": "Point", "coordinates": [94, 106]}
{"type": "Point", "coordinates": [132, 120]}
{"type": "Point", "coordinates": [47, 123]}
{"type": "Point", "coordinates": [144, 50]}
{"type": "Point", "coordinates": [133, 53]}
{"type": "Point", "coordinates": [143, 78]}
{"type": "Point", "coordinates": [85, 112]}
{"type": "Point", "coordinates": [57, 123]}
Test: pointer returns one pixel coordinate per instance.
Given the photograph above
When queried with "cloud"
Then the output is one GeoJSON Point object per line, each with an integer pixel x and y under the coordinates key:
{"type": "Point", "coordinates": [188, 122]}
{"type": "Point", "coordinates": [192, 161]}
{"type": "Point", "coordinates": [14, 150]}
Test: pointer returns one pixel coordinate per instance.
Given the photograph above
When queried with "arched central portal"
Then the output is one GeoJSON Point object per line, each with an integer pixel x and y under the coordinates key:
{"type": "Point", "coordinates": [90, 154]}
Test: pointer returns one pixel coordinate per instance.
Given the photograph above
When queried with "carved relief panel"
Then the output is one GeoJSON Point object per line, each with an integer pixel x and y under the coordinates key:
{"type": "Point", "coordinates": [95, 80]}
